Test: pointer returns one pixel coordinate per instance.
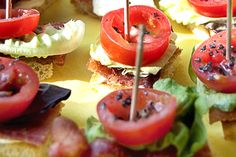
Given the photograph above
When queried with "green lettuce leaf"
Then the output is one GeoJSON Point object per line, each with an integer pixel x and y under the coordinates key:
{"type": "Point", "coordinates": [51, 42]}
{"type": "Point", "coordinates": [185, 95]}
{"type": "Point", "coordinates": [94, 130]}
{"type": "Point", "coordinates": [223, 101]}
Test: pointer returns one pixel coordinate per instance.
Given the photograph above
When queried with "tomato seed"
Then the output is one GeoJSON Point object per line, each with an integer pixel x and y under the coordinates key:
{"type": "Point", "coordinates": [155, 14]}
{"type": "Point", "coordinates": [119, 96]}
{"type": "Point", "coordinates": [144, 113]}
{"type": "Point", "coordinates": [151, 105]}
{"type": "Point", "coordinates": [221, 47]}
{"type": "Point", "coordinates": [212, 45]}
{"type": "Point", "coordinates": [211, 53]}
{"type": "Point", "coordinates": [126, 102]}
{"type": "Point", "coordinates": [203, 48]}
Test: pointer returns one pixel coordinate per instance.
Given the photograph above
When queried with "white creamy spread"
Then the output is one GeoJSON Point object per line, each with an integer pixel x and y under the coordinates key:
{"type": "Point", "coordinates": [29, 4]}
{"type": "Point", "coordinates": [99, 54]}
{"type": "Point", "coordinates": [101, 7]}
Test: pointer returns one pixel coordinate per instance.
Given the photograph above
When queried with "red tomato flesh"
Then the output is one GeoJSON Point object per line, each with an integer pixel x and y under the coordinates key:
{"type": "Point", "coordinates": [212, 8]}
{"type": "Point", "coordinates": [18, 86]}
{"type": "Point", "coordinates": [22, 22]}
{"type": "Point", "coordinates": [155, 114]}
{"type": "Point", "coordinates": [210, 64]}
{"type": "Point", "coordinates": [156, 39]}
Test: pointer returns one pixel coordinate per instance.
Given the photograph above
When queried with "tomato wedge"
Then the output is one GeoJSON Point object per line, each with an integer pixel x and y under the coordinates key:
{"type": "Point", "coordinates": [212, 8]}
{"type": "Point", "coordinates": [210, 64]}
{"type": "Point", "coordinates": [18, 86]}
{"type": "Point", "coordinates": [155, 113]}
{"type": "Point", "coordinates": [22, 22]}
{"type": "Point", "coordinates": [156, 39]}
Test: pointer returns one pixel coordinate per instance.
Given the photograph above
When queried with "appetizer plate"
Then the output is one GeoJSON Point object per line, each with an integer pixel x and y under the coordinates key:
{"type": "Point", "coordinates": [74, 74]}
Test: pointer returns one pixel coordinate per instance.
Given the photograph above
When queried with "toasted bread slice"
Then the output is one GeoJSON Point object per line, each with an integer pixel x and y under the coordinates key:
{"type": "Point", "coordinates": [228, 120]}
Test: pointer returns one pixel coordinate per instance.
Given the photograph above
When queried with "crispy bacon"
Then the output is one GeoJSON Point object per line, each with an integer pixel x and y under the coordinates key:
{"type": "Point", "coordinates": [105, 148]}
{"type": "Point", "coordinates": [33, 131]}
{"type": "Point", "coordinates": [68, 139]}
{"type": "Point", "coordinates": [34, 124]}
{"type": "Point", "coordinates": [114, 76]}
{"type": "Point", "coordinates": [218, 115]}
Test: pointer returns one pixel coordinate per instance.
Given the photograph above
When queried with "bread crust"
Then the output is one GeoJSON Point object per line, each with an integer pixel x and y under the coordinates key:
{"type": "Point", "coordinates": [228, 120]}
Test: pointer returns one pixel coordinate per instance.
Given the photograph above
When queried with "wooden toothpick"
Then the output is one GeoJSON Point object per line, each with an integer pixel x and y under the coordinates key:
{"type": "Point", "coordinates": [126, 20]}
{"type": "Point", "coordinates": [8, 9]}
{"type": "Point", "coordinates": [138, 63]}
{"type": "Point", "coordinates": [229, 29]}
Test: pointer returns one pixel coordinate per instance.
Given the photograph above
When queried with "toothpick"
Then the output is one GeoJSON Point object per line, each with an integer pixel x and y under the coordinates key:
{"type": "Point", "coordinates": [126, 20]}
{"type": "Point", "coordinates": [229, 29]}
{"type": "Point", "coordinates": [8, 9]}
{"type": "Point", "coordinates": [138, 62]}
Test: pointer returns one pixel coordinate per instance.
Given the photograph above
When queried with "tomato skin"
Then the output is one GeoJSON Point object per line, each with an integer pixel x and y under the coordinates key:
{"type": "Point", "coordinates": [122, 51]}
{"type": "Point", "coordinates": [23, 22]}
{"type": "Point", "coordinates": [221, 74]}
{"type": "Point", "coordinates": [23, 81]}
{"type": "Point", "coordinates": [131, 133]}
{"type": "Point", "coordinates": [212, 8]}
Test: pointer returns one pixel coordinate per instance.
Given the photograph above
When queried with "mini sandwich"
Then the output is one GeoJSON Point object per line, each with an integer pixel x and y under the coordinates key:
{"type": "Point", "coordinates": [164, 125]}
{"type": "Point", "coordinates": [99, 8]}
{"type": "Point", "coordinates": [28, 110]}
{"type": "Point", "coordinates": [204, 18]}
{"type": "Point", "coordinates": [113, 58]}
{"type": "Point", "coordinates": [41, 46]}
{"type": "Point", "coordinates": [216, 80]}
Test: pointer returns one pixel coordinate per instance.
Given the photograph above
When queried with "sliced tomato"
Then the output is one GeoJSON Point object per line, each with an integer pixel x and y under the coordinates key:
{"type": "Point", "coordinates": [212, 8]}
{"type": "Point", "coordinates": [18, 86]}
{"type": "Point", "coordinates": [156, 39]}
{"type": "Point", "coordinates": [22, 22]}
{"type": "Point", "coordinates": [210, 64]}
{"type": "Point", "coordinates": [155, 113]}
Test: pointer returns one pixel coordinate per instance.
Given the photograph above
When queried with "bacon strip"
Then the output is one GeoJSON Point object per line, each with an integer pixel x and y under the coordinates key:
{"type": "Point", "coordinates": [34, 124]}
{"type": "Point", "coordinates": [68, 139]}
{"type": "Point", "coordinates": [114, 76]}
{"type": "Point", "coordinates": [218, 115]}
{"type": "Point", "coordinates": [33, 131]}
{"type": "Point", "coordinates": [102, 147]}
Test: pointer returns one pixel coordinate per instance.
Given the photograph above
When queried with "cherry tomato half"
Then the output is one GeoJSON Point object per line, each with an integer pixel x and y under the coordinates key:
{"type": "Point", "coordinates": [156, 39]}
{"type": "Point", "coordinates": [212, 8]}
{"type": "Point", "coordinates": [210, 64]}
{"type": "Point", "coordinates": [155, 113]}
{"type": "Point", "coordinates": [18, 86]}
{"type": "Point", "coordinates": [22, 22]}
